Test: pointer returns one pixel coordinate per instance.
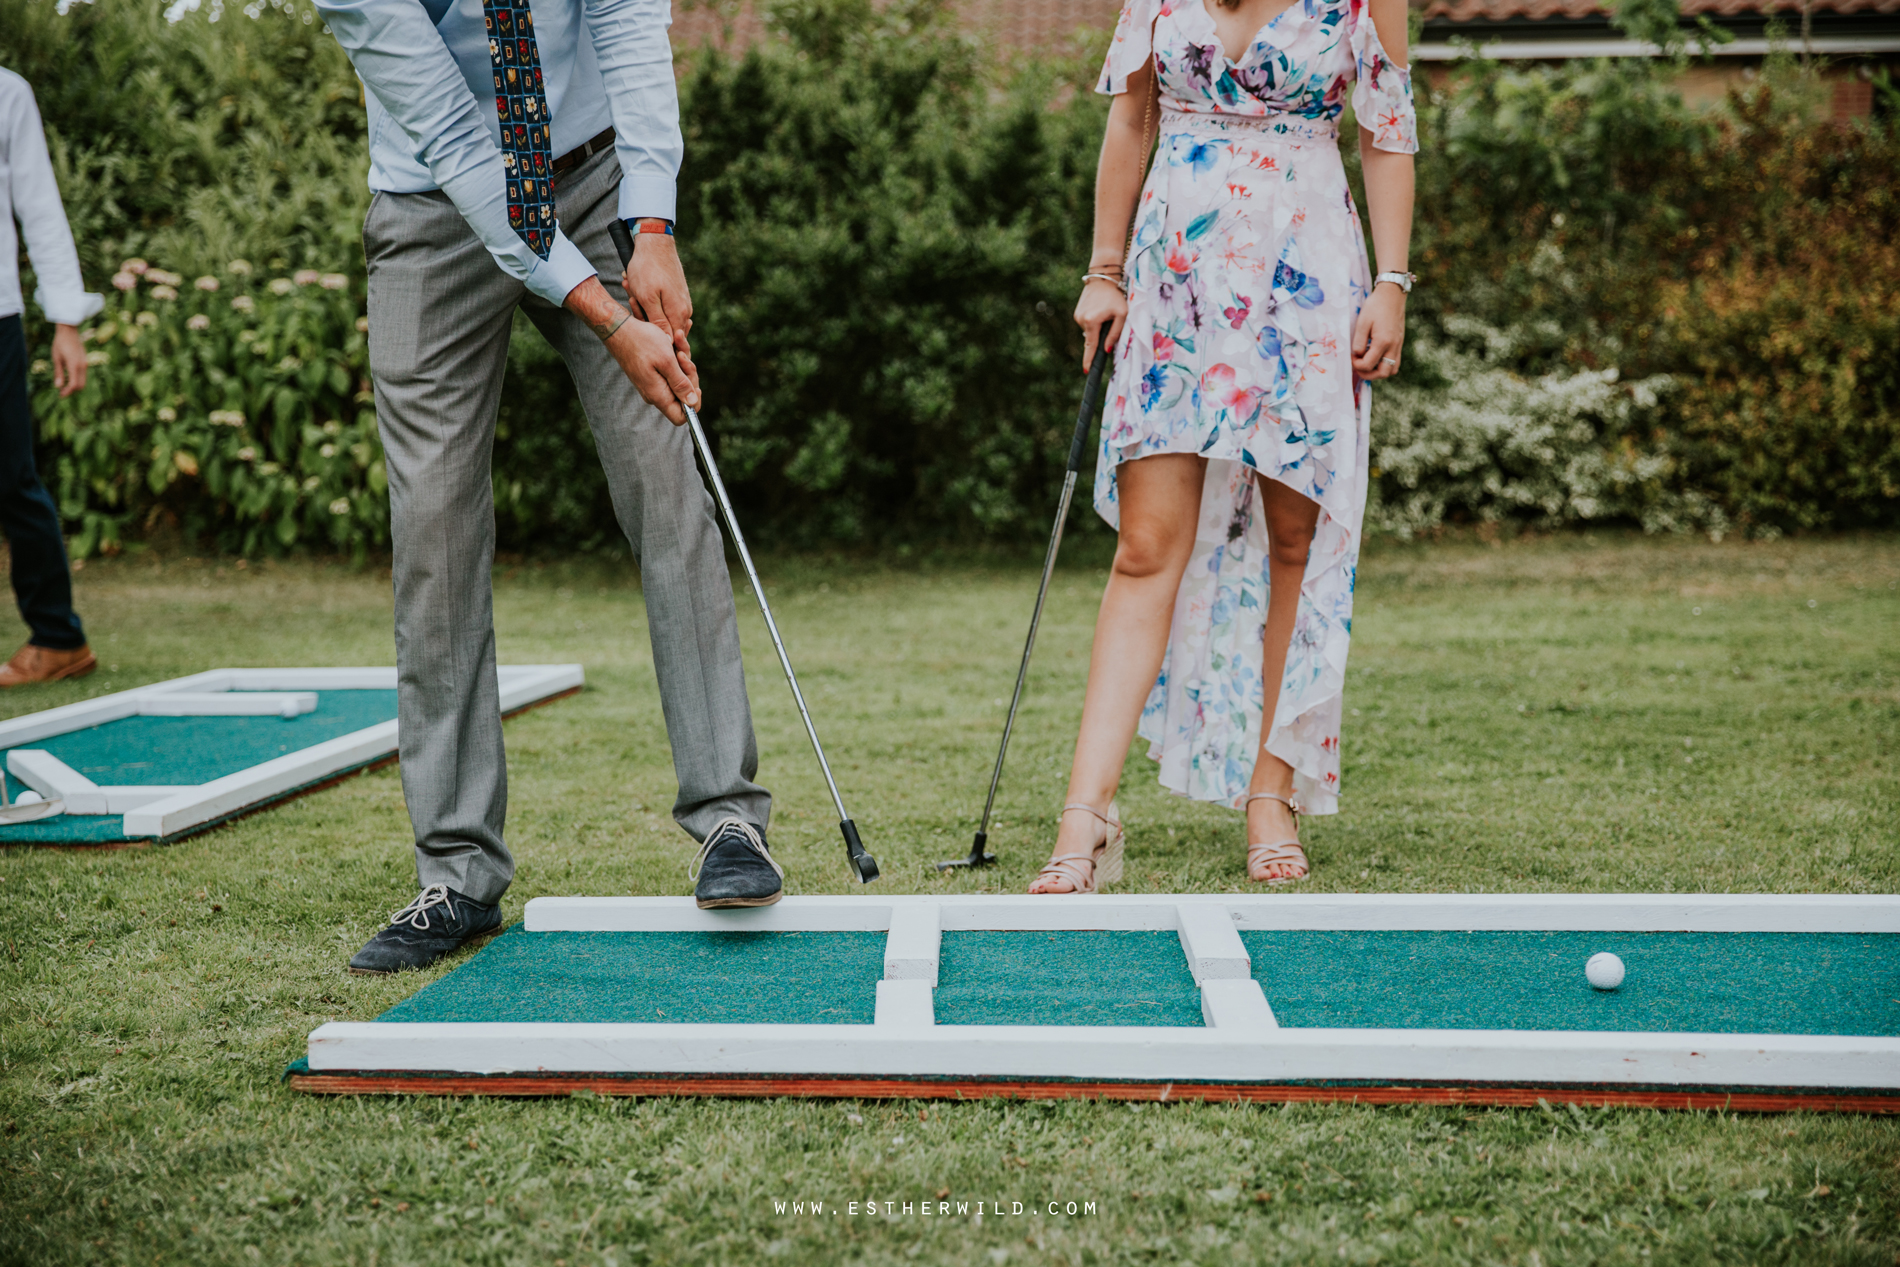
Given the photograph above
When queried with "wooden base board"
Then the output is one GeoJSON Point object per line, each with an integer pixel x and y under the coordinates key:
{"type": "Point", "coordinates": [1471, 1095]}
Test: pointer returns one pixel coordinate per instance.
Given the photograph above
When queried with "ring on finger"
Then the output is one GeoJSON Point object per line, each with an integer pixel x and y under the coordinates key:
{"type": "Point", "coordinates": [1386, 360]}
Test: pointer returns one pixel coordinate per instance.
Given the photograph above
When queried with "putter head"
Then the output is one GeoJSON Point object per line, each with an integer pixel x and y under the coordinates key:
{"type": "Point", "coordinates": [862, 863]}
{"type": "Point", "coordinates": [977, 858]}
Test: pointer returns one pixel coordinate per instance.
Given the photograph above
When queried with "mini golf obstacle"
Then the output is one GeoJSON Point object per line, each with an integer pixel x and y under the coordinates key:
{"type": "Point", "coordinates": [1761, 1003]}
{"type": "Point", "coordinates": [167, 760]}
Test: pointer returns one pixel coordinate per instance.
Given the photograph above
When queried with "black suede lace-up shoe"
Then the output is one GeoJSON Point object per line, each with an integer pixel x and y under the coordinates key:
{"type": "Point", "coordinates": [734, 868]}
{"type": "Point", "coordinates": [438, 921]}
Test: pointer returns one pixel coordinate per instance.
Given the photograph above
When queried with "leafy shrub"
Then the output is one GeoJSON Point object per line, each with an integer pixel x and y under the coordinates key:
{"type": "Point", "coordinates": [1782, 321]}
{"type": "Point", "coordinates": [1791, 415]}
{"type": "Point", "coordinates": [236, 408]}
{"type": "Point", "coordinates": [1530, 179]}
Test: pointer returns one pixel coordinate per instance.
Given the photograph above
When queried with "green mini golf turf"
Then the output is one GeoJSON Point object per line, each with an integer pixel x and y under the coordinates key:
{"type": "Point", "coordinates": [673, 978]}
{"type": "Point", "coordinates": [165, 751]}
{"type": "Point", "coordinates": [190, 750]}
{"type": "Point", "coordinates": [66, 829]}
{"type": "Point", "coordinates": [1065, 978]}
{"type": "Point", "coordinates": [1736, 983]}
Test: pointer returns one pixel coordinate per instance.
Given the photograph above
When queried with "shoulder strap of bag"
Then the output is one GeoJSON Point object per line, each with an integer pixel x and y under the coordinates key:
{"type": "Point", "coordinates": [1147, 119]}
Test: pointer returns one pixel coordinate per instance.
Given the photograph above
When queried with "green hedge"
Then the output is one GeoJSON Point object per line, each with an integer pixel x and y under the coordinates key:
{"type": "Point", "coordinates": [1632, 312]}
{"type": "Point", "coordinates": [886, 252]}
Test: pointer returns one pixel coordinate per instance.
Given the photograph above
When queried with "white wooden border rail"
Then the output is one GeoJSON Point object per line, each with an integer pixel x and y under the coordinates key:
{"type": "Point", "coordinates": [157, 811]}
{"type": "Point", "coordinates": [1241, 1043]}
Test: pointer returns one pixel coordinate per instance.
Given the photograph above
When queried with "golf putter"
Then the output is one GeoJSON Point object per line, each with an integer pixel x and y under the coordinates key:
{"type": "Point", "coordinates": [979, 855]}
{"type": "Point", "coordinates": [863, 865]}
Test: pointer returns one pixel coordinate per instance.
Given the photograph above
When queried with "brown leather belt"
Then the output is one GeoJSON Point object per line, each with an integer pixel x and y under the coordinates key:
{"type": "Point", "coordinates": [581, 153]}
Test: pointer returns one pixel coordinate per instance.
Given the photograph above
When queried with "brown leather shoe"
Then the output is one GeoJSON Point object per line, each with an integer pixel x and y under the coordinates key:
{"type": "Point", "coordinates": [44, 664]}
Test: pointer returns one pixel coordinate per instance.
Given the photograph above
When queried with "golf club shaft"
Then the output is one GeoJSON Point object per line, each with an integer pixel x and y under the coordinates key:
{"type": "Point", "coordinates": [758, 591]}
{"type": "Point", "coordinates": [862, 864]}
{"type": "Point", "coordinates": [1083, 418]}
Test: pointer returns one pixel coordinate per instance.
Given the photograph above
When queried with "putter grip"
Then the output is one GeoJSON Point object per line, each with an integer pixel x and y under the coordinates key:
{"type": "Point", "coordinates": [623, 240]}
{"type": "Point", "coordinates": [1090, 393]}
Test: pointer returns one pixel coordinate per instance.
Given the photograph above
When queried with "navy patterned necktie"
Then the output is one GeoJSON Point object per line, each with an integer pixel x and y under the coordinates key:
{"type": "Point", "coordinates": [520, 99]}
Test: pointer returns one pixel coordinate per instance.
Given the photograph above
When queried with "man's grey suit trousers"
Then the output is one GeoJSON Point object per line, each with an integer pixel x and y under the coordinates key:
{"type": "Point", "coordinates": [440, 311]}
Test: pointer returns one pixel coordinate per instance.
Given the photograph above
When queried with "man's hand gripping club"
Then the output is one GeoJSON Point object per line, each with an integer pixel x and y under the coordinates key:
{"type": "Point", "coordinates": [655, 358]}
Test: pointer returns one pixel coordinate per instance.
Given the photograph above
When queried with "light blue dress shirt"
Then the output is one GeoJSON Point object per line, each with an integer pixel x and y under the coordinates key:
{"type": "Point", "coordinates": [429, 85]}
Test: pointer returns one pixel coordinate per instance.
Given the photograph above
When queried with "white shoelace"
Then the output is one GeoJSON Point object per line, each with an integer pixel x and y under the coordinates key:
{"type": "Point", "coordinates": [416, 914]}
{"type": "Point", "coordinates": [746, 829]}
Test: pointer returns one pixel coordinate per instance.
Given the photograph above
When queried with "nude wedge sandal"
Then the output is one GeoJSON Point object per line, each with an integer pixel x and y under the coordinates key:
{"type": "Point", "coordinates": [1286, 852]}
{"type": "Point", "coordinates": [1104, 862]}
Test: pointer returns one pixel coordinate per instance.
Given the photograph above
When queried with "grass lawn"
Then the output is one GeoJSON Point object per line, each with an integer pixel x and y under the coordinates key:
{"type": "Point", "coordinates": [1580, 714]}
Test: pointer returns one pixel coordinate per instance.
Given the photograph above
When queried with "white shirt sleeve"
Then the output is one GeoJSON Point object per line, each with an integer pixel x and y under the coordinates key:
{"type": "Point", "coordinates": [636, 62]}
{"type": "Point", "coordinates": [49, 240]}
{"type": "Point", "coordinates": [400, 55]}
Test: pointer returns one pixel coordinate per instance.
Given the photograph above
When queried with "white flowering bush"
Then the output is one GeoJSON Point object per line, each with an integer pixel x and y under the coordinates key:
{"type": "Point", "coordinates": [236, 409]}
{"type": "Point", "coordinates": [1461, 438]}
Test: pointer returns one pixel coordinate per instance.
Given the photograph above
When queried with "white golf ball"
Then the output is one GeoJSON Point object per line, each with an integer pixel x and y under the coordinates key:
{"type": "Point", "coordinates": [28, 798]}
{"type": "Point", "coordinates": [1604, 970]}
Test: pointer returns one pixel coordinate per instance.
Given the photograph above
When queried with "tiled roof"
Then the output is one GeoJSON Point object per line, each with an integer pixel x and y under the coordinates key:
{"type": "Point", "coordinates": [1037, 23]}
{"type": "Point", "coordinates": [1012, 23]}
{"type": "Point", "coordinates": [701, 23]}
{"type": "Point", "coordinates": [1538, 10]}
{"type": "Point", "coordinates": [1030, 23]}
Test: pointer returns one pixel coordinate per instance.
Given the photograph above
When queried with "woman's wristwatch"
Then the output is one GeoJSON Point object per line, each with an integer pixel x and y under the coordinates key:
{"type": "Point", "coordinates": [1404, 281]}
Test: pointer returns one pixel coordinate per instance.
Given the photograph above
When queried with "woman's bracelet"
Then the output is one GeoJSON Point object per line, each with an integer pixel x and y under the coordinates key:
{"type": "Point", "coordinates": [1113, 279]}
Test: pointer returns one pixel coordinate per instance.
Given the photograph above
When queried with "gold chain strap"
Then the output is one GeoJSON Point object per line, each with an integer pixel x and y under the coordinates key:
{"type": "Point", "coordinates": [1141, 172]}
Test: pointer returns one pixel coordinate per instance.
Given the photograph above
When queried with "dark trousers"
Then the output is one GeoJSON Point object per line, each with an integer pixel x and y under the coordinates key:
{"type": "Point", "coordinates": [42, 584]}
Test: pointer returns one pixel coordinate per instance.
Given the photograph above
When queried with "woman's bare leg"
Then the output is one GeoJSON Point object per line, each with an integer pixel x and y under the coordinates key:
{"type": "Point", "coordinates": [1160, 503]}
{"type": "Point", "coordinates": [1290, 519]}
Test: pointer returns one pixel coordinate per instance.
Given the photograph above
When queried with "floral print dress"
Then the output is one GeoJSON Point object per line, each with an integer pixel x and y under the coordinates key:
{"type": "Point", "coordinates": [1247, 273]}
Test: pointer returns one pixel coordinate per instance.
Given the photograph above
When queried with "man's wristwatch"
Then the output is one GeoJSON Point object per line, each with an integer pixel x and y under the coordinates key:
{"type": "Point", "coordinates": [1404, 281]}
{"type": "Point", "coordinates": [648, 224]}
